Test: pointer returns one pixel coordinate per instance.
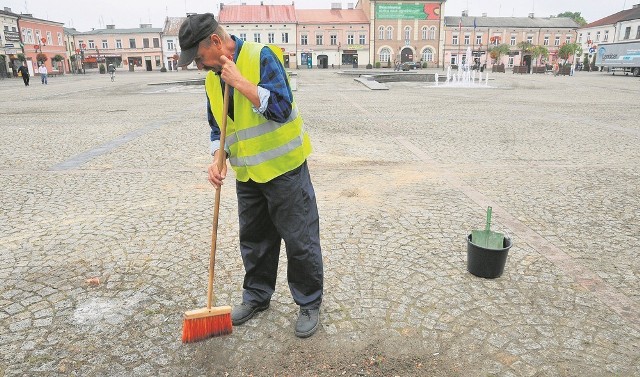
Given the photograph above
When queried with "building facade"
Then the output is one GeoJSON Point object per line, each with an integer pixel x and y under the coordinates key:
{"type": "Point", "coordinates": [132, 49]}
{"type": "Point", "coordinates": [480, 34]}
{"type": "Point", "coordinates": [268, 24]}
{"type": "Point", "coordinates": [43, 38]}
{"type": "Point", "coordinates": [10, 44]}
{"type": "Point", "coordinates": [404, 31]}
{"type": "Point", "coordinates": [618, 27]}
{"type": "Point", "coordinates": [170, 43]}
{"type": "Point", "coordinates": [332, 38]}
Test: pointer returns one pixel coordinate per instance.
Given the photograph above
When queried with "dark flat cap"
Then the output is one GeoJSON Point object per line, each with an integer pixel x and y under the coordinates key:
{"type": "Point", "coordinates": [192, 31]}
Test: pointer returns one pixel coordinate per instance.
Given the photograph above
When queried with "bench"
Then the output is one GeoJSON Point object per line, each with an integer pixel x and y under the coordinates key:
{"type": "Point", "coordinates": [54, 73]}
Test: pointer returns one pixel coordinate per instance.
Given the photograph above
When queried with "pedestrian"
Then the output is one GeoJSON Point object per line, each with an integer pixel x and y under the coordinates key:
{"type": "Point", "coordinates": [268, 148]}
{"type": "Point", "coordinates": [42, 70]}
{"type": "Point", "coordinates": [24, 71]}
{"type": "Point", "coordinates": [556, 69]}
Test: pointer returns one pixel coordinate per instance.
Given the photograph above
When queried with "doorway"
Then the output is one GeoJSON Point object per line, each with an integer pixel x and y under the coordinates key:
{"type": "Point", "coordinates": [323, 61]}
{"type": "Point", "coordinates": [406, 55]}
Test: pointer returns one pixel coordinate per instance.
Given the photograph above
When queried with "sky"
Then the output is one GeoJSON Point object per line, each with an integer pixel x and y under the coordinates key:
{"type": "Point", "coordinates": [131, 13]}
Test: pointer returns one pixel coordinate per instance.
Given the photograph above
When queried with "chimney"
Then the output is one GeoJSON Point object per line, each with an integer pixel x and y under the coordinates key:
{"type": "Point", "coordinates": [145, 26]}
{"type": "Point", "coordinates": [465, 13]}
{"type": "Point", "coordinates": [262, 3]}
{"type": "Point", "coordinates": [336, 5]}
{"type": "Point", "coordinates": [221, 6]}
{"type": "Point", "coordinates": [530, 15]}
{"type": "Point", "coordinates": [484, 15]}
{"type": "Point", "coordinates": [111, 26]}
{"type": "Point", "coordinates": [7, 9]}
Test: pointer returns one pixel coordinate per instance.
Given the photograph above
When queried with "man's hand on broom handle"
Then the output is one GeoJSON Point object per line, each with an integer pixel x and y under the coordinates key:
{"type": "Point", "coordinates": [217, 175]}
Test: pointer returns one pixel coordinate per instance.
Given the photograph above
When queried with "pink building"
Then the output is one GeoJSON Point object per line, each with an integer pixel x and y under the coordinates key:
{"type": "Point", "coordinates": [332, 37]}
{"type": "Point", "coordinates": [43, 37]}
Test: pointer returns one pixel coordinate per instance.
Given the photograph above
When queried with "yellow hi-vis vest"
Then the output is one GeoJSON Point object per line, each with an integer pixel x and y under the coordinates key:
{"type": "Point", "coordinates": [259, 149]}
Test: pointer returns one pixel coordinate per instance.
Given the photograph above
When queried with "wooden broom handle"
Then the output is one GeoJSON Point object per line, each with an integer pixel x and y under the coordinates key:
{"type": "Point", "coordinates": [216, 209]}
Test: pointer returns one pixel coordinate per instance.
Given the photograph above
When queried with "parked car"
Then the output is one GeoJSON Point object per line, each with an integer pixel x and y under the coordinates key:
{"type": "Point", "coordinates": [409, 65]}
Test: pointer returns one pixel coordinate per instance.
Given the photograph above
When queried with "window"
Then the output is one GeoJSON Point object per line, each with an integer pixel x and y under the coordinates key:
{"type": "Point", "coordinates": [156, 42]}
{"type": "Point", "coordinates": [285, 37]}
{"type": "Point", "coordinates": [510, 62]}
{"type": "Point", "coordinates": [60, 39]}
{"type": "Point", "coordinates": [467, 39]}
{"type": "Point", "coordinates": [606, 35]}
{"type": "Point", "coordinates": [454, 59]}
{"type": "Point", "coordinates": [455, 40]}
{"type": "Point", "coordinates": [363, 39]}
{"type": "Point", "coordinates": [49, 38]}
{"type": "Point", "coordinates": [385, 55]}
{"type": "Point", "coordinates": [92, 44]}
{"type": "Point", "coordinates": [170, 45]}
{"type": "Point", "coordinates": [118, 43]}
{"type": "Point", "coordinates": [425, 33]}
{"type": "Point", "coordinates": [303, 40]}
{"type": "Point", "coordinates": [350, 38]}
{"type": "Point", "coordinates": [568, 39]}
{"type": "Point", "coordinates": [530, 39]}
{"type": "Point", "coordinates": [271, 38]}
{"type": "Point", "coordinates": [598, 36]}
{"type": "Point", "coordinates": [256, 37]}
{"type": "Point", "coordinates": [389, 32]}
{"type": "Point", "coordinates": [319, 39]}
{"type": "Point", "coordinates": [427, 55]}
{"type": "Point", "coordinates": [432, 33]}
{"type": "Point", "coordinates": [334, 39]}
{"type": "Point", "coordinates": [38, 36]}
{"type": "Point", "coordinates": [132, 43]}
{"type": "Point", "coordinates": [627, 32]}
{"type": "Point", "coordinates": [556, 42]}
{"type": "Point", "coordinates": [243, 36]}
{"type": "Point", "coordinates": [479, 39]}
{"type": "Point", "coordinates": [546, 41]}
{"type": "Point", "coordinates": [638, 33]}
{"type": "Point", "coordinates": [145, 42]}
{"type": "Point", "coordinates": [157, 61]}
{"type": "Point", "coordinates": [512, 42]}
{"type": "Point", "coordinates": [80, 42]}
{"type": "Point", "coordinates": [381, 33]}
{"type": "Point", "coordinates": [407, 33]}
{"type": "Point", "coordinates": [105, 44]}
{"type": "Point", "coordinates": [580, 38]}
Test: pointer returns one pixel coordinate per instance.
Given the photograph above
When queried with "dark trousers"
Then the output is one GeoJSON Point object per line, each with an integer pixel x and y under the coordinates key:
{"type": "Point", "coordinates": [281, 209]}
{"type": "Point", "coordinates": [25, 78]}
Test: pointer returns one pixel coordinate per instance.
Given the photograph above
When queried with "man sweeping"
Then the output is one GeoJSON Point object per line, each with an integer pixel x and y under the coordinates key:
{"type": "Point", "coordinates": [267, 147]}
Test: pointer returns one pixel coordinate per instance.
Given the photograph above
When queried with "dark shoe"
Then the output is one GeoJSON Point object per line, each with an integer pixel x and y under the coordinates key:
{"type": "Point", "coordinates": [308, 321]}
{"type": "Point", "coordinates": [244, 312]}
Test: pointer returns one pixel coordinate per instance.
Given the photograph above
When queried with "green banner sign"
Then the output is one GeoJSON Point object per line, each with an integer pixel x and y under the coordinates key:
{"type": "Point", "coordinates": [400, 12]}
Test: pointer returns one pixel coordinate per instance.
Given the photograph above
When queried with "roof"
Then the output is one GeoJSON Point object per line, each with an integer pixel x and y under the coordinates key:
{"type": "Point", "coordinates": [172, 25]}
{"type": "Point", "coordinates": [624, 15]}
{"type": "Point", "coordinates": [233, 14]}
{"type": "Point", "coordinates": [137, 30]}
{"type": "Point", "coordinates": [331, 16]}
{"type": "Point", "coordinates": [513, 22]}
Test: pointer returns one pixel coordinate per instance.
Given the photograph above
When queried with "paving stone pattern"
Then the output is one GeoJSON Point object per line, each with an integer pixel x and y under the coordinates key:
{"type": "Point", "coordinates": [106, 218]}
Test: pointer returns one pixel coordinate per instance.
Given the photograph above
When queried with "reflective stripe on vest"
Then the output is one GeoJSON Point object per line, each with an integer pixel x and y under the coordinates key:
{"type": "Point", "coordinates": [259, 149]}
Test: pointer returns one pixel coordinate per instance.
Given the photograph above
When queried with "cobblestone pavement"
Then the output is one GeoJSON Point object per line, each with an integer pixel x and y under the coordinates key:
{"type": "Point", "coordinates": [106, 212]}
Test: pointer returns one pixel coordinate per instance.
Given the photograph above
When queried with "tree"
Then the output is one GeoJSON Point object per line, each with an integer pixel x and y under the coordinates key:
{"type": "Point", "coordinates": [22, 58]}
{"type": "Point", "coordinates": [41, 57]}
{"type": "Point", "coordinates": [569, 49]}
{"type": "Point", "coordinates": [497, 52]}
{"type": "Point", "coordinates": [576, 16]}
{"type": "Point", "coordinates": [538, 51]}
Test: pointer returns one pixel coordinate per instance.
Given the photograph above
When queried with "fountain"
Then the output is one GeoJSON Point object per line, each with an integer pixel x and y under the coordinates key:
{"type": "Point", "coordinates": [464, 76]}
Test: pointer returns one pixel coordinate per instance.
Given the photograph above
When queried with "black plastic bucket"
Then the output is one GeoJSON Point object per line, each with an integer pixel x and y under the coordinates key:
{"type": "Point", "coordinates": [487, 263]}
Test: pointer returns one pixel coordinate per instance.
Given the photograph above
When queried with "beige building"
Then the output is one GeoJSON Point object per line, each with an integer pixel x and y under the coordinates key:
{"type": "Point", "coordinates": [404, 31]}
{"type": "Point", "coordinates": [480, 34]}
{"type": "Point", "coordinates": [131, 49]}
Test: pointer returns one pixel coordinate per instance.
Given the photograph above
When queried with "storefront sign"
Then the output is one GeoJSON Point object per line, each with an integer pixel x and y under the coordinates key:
{"type": "Point", "coordinates": [12, 36]}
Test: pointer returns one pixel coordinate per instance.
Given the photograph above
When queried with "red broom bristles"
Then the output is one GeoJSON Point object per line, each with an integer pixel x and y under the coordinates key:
{"type": "Point", "coordinates": [195, 329]}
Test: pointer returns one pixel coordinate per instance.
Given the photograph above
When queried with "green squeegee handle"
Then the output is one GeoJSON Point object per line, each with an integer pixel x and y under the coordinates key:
{"type": "Point", "coordinates": [487, 227]}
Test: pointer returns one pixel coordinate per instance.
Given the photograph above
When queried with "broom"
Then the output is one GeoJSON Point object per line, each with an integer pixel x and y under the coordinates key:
{"type": "Point", "coordinates": [209, 322]}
